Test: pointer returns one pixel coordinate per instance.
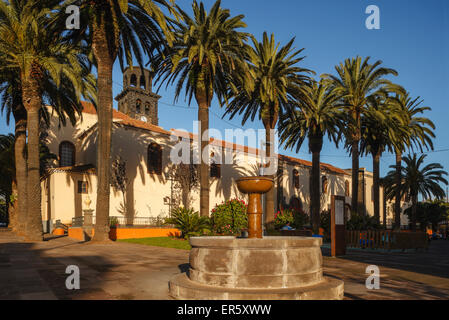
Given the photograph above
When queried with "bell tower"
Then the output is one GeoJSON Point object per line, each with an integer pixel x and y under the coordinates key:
{"type": "Point", "coordinates": [137, 100]}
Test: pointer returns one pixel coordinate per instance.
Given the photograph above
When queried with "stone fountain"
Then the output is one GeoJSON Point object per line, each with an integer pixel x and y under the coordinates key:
{"type": "Point", "coordinates": [256, 268]}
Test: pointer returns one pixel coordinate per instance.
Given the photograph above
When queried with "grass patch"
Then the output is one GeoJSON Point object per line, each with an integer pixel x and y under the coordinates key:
{"type": "Point", "coordinates": [165, 242]}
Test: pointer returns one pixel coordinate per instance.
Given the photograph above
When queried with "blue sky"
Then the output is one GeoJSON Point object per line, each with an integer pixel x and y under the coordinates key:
{"type": "Point", "coordinates": [413, 39]}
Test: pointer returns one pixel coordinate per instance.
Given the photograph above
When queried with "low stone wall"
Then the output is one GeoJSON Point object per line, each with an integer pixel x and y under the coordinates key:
{"type": "Point", "coordinates": [82, 234]}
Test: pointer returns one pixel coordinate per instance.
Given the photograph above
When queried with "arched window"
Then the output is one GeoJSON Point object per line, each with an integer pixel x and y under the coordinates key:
{"type": "Point", "coordinates": [147, 108]}
{"type": "Point", "coordinates": [133, 80]}
{"type": "Point", "coordinates": [296, 178]}
{"type": "Point", "coordinates": [346, 188]}
{"type": "Point", "coordinates": [66, 154]}
{"type": "Point", "coordinates": [138, 106]}
{"type": "Point", "coordinates": [215, 170]}
{"type": "Point", "coordinates": [324, 183]}
{"type": "Point", "coordinates": [142, 82]}
{"type": "Point", "coordinates": [154, 162]}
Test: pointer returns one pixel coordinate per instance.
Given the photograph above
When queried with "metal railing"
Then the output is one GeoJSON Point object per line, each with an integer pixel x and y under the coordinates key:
{"type": "Point", "coordinates": [125, 221]}
{"type": "Point", "coordinates": [137, 221]}
{"type": "Point", "coordinates": [385, 239]}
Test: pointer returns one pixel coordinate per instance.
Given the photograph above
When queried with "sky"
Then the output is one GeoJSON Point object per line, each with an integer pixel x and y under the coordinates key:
{"type": "Point", "coordinates": [413, 39]}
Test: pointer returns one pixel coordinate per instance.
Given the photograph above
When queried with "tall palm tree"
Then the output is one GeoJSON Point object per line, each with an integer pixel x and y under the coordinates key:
{"type": "Point", "coordinates": [35, 52]}
{"type": "Point", "coordinates": [7, 172]}
{"type": "Point", "coordinates": [358, 80]}
{"type": "Point", "coordinates": [316, 114]}
{"type": "Point", "coordinates": [205, 58]}
{"type": "Point", "coordinates": [416, 180]}
{"type": "Point", "coordinates": [415, 132]}
{"type": "Point", "coordinates": [277, 78]}
{"type": "Point", "coordinates": [380, 125]}
{"type": "Point", "coordinates": [123, 29]}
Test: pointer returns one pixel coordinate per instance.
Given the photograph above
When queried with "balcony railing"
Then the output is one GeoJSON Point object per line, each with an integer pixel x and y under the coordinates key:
{"type": "Point", "coordinates": [125, 221]}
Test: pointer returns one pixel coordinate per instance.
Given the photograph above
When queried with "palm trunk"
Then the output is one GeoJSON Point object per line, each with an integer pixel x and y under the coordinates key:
{"type": "Point", "coordinates": [203, 117]}
{"type": "Point", "coordinates": [355, 177]}
{"type": "Point", "coordinates": [397, 203]}
{"type": "Point", "coordinates": [414, 206]}
{"type": "Point", "coordinates": [105, 63]}
{"type": "Point", "coordinates": [315, 146]}
{"type": "Point", "coordinates": [33, 101]}
{"type": "Point", "coordinates": [376, 188]}
{"type": "Point", "coordinates": [21, 173]}
{"type": "Point", "coordinates": [12, 208]}
{"type": "Point", "coordinates": [269, 214]}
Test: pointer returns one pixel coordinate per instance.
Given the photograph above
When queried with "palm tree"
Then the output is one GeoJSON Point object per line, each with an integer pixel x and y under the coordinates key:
{"type": "Point", "coordinates": [8, 183]}
{"type": "Point", "coordinates": [277, 78]}
{"type": "Point", "coordinates": [358, 80]}
{"type": "Point", "coordinates": [316, 114]}
{"type": "Point", "coordinates": [380, 125]}
{"type": "Point", "coordinates": [32, 50]}
{"type": "Point", "coordinates": [115, 28]}
{"type": "Point", "coordinates": [416, 181]}
{"type": "Point", "coordinates": [205, 58]}
{"type": "Point", "coordinates": [415, 131]}
{"type": "Point", "coordinates": [63, 100]}
{"type": "Point", "coordinates": [7, 172]}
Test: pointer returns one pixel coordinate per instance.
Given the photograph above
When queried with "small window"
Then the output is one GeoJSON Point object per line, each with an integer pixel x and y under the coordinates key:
{"type": "Point", "coordinates": [296, 179]}
{"type": "Point", "coordinates": [66, 154]}
{"type": "Point", "coordinates": [142, 82]}
{"type": "Point", "coordinates": [154, 158]}
{"type": "Point", "coordinates": [147, 108]}
{"type": "Point", "coordinates": [324, 183]}
{"type": "Point", "coordinates": [138, 105]}
{"type": "Point", "coordinates": [82, 187]}
{"type": "Point", "coordinates": [346, 188]}
{"type": "Point", "coordinates": [215, 170]}
{"type": "Point", "coordinates": [133, 80]}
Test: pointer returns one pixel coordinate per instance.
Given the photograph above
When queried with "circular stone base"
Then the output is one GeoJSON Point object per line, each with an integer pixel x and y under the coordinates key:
{"type": "Point", "coordinates": [272, 268]}
{"type": "Point", "coordinates": [182, 288]}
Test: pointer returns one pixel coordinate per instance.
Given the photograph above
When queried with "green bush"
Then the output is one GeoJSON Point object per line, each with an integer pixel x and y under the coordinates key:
{"type": "Point", "coordinates": [113, 222]}
{"type": "Point", "coordinates": [282, 217]}
{"type": "Point", "coordinates": [300, 219]}
{"type": "Point", "coordinates": [229, 218]}
{"type": "Point", "coordinates": [189, 222]}
{"type": "Point", "coordinates": [325, 223]}
{"type": "Point", "coordinates": [362, 222]}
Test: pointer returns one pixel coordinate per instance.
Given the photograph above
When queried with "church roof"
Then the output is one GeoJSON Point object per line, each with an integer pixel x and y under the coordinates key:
{"type": "Point", "coordinates": [128, 121]}
{"type": "Point", "coordinates": [125, 120]}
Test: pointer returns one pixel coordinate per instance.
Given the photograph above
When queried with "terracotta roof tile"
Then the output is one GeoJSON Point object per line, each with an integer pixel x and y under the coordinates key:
{"type": "Point", "coordinates": [126, 120]}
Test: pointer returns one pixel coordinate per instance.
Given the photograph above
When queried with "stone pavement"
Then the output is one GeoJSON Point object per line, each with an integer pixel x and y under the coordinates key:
{"type": "Point", "coordinates": [30, 270]}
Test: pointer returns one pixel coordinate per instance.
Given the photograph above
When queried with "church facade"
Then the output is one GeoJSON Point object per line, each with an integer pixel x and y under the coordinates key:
{"type": "Point", "coordinates": [154, 184]}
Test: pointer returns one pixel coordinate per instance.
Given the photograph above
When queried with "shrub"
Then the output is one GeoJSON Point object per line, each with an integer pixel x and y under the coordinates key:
{"type": "Point", "coordinates": [300, 219]}
{"type": "Point", "coordinates": [362, 222]}
{"type": "Point", "coordinates": [189, 222]}
{"type": "Point", "coordinates": [113, 222]}
{"type": "Point", "coordinates": [282, 217]}
{"type": "Point", "coordinates": [230, 217]}
{"type": "Point", "coordinates": [325, 223]}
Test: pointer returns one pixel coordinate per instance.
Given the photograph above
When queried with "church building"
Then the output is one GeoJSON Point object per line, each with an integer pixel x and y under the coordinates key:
{"type": "Point", "coordinates": [153, 182]}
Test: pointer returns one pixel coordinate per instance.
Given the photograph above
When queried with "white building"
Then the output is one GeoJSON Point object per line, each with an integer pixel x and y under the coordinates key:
{"type": "Point", "coordinates": [146, 148]}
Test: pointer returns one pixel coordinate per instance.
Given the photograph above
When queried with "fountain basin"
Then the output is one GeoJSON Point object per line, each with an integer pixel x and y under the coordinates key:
{"type": "Point", "coordinates": [255, 184]}
{"type": "Point", "coordinates": [269, 268]}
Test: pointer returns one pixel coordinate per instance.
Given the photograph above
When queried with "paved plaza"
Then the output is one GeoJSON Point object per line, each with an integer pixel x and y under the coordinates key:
{"type": "Point", "coordinates": [125, 271]}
